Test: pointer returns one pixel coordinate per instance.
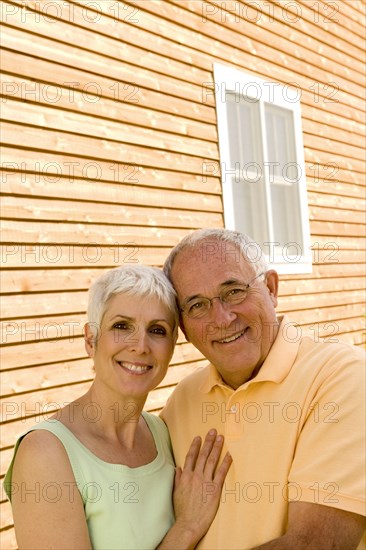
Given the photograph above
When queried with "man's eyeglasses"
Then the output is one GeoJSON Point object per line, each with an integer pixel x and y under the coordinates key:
{"type": "Point", "coordinates": [231, 295]}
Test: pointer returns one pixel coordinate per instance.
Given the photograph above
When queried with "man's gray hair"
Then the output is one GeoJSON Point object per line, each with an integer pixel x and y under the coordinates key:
{"type": "Point", "coordinates": [250, 250]}
{"type": "Point", "coordinates": [138, 280]}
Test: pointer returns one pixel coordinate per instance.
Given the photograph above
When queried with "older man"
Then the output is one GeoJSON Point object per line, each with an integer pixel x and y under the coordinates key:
{"type": "Point", "coordinates": [291, 409]}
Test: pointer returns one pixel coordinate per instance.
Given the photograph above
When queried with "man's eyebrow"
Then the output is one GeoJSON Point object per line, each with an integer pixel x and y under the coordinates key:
{"type": "Point", "coordinates": [229, 282]}
{"type": "Point", "coordinates": [193, 297]}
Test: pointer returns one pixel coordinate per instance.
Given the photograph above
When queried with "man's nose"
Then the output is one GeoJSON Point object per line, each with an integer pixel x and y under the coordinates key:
{"type": "Point", "coordinates": [221, 312]}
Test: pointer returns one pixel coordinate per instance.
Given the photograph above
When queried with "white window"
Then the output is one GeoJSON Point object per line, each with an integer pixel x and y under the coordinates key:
{"type": "Point", "coordinates": [262, 166]}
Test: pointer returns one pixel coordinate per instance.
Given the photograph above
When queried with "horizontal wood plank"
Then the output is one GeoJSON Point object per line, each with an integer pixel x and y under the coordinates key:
{"type": "Point", "coordinates": [23, 256]}
{"type": "Point", "coordinates": [343, 215]}
{"type": "Point", "coordinates": [43, 168]}
{"type": "Point", "coordinates": [330, 299]}
{"type": "Point", "coordinates": [326, 144]}
{"type": "Point", "coordinates": [228, 32]}
{"type": "Point", "coordinates": [332, 229]}
{"type": "Point", "coordinates": [6, 517]}
{"type": "Point", "coordinates": [49, 234]}
{"type": "Point", "coordinates": [103, 149]}
{"type": "Point", "coordinates": [100, 213]}
{"type": "Point", "coordinates": [352, 90]}
{"type": "Point", "coordinates": [82, 234]}
{"type": "Point", "coordinates": [107, 30]}
{"type": "Point", "coordinates": [353, 204]}
{"type": "Point", "coordinates": [293, 288]}
{"type": "Point", "coordinates": [7, 537]}
{"type": "Point", "coordinates": [340, 168]}
{"type": "Point", "coordinates": [118, 58]}
{"type": "Point", "coordinates": [116, 131]}
{"type": "Point", "coordinates": [117, 109]}
{"type": "Point", "coordinates": [52, 327]}
{"type": "Point", "coordinates": [333, 187]}
{"type": "Point", "coordinates": [30, 305]}
{"type": "Point", "coordinates": [325, 314]}
{"type": "Point", "coordinates": [151, 17]}
{"type": "Point", "coordinates": [94, 85]}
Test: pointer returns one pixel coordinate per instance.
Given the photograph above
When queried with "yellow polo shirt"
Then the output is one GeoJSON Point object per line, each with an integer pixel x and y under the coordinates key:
{"type": "Point", "coordinates": [295, 432]}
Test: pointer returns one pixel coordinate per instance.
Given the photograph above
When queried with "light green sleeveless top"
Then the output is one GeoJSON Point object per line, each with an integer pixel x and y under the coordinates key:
{"type": "Point", "coordinates": [125, 508]}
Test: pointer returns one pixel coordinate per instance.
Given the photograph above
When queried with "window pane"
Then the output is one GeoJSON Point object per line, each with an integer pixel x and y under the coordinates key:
{"type": "Point", "coordinates": [249, 202]}
{"type": "Point", "coordinates": [233, 130]}
{"type": "Point", "coordinates": [283, 175]}
{"type": "Point", "coordinates": [250, 209]}
{"type": "Point", "coordinates": [243, 130]}
{"type": "Point", "coordinates": [286, 214]}
{"type": "Point", "coordinates": [280, 141]}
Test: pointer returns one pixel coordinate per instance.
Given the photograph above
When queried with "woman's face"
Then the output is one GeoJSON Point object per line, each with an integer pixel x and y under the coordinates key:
{"type": "Point", "coordinates": [134, 346]}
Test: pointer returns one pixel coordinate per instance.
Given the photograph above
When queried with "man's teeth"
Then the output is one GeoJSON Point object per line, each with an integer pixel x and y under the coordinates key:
{"type": "Point", "coordinates": [135, 368]}
{"type": "Point", "coordinates": [232, 338]}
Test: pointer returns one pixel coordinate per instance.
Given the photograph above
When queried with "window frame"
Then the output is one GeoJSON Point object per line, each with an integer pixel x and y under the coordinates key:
{"type": "Point", "coordinates": [228, 79]}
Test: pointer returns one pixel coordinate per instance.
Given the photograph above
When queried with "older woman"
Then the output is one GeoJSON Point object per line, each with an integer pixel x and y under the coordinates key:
{"type": "Point", "coordinates": [99, 474]}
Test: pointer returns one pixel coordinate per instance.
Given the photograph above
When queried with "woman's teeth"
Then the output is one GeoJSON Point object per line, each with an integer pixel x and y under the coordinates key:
{"type": "Point", "coordinates": [134, 368]}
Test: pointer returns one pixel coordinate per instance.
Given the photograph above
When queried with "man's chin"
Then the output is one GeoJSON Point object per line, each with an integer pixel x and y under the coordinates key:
{"type": "Point", "coordinates": [237, 379]}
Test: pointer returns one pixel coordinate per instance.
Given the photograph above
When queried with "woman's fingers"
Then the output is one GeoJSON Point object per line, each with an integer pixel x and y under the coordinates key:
{"type": "Point", "coordinates": [178, 475]}
{"type": "Point", "coordinates": [191, 456]}
{"type": "Point", "coordinates": [198, 486]}
{"type": "Point", "coordinates": [213, 458]}
{"type": "Point", "coordinates": [204, 459]}
{"type": "Point", "coordinates": [223, 469]}
{"type": "Point", "coordinates": [209, 446]}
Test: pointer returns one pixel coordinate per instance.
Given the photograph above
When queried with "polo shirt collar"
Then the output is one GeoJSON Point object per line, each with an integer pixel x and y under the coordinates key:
{"type": "Point", "coordinates": [277, 364]}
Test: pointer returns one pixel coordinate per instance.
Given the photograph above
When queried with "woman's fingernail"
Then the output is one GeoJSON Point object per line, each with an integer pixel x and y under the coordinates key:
{"type": "Point", "coordinates": [212, 432]}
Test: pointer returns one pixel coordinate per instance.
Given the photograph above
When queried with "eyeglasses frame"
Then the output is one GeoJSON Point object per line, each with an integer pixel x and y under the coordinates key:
{"type": "Point", "coordinates": [247, 286]}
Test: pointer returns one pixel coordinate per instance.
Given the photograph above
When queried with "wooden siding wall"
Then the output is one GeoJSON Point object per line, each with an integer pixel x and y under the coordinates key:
{"type": "Point", "coordinates": [106, 130]}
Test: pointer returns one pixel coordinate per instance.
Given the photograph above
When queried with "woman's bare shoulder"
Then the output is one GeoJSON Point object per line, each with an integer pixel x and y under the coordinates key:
{"type": "Point", "coordinates": [41, 452]}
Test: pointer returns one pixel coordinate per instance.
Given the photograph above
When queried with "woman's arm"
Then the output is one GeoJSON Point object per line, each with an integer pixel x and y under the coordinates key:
{"type": "Point", "coordinates": [197, 492]}
{"type": "Point", "coordinates": [47, 506]}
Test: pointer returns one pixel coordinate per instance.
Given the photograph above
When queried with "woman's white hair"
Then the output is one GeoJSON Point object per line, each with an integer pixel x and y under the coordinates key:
{"type": "Point", "coordinates": [138, 280]}
{"type": "Point", "coordinates": [250, 250]}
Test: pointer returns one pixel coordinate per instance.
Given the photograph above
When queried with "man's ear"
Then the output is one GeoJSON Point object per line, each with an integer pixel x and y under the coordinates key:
{"type": "Point", "coordinates": [272, 285]}
{"type": "Point", "coordinates": [90, 340]}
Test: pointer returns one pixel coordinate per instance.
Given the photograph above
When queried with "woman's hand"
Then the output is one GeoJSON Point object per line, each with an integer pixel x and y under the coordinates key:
{"type": "Point", "coordinates": [197, 491]}
{"type": "Point", "coordinates": [197, 488]}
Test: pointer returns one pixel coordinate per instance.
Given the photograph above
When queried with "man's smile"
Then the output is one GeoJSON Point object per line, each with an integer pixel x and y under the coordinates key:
{"type": "Point", "coordinates": [232, 338]}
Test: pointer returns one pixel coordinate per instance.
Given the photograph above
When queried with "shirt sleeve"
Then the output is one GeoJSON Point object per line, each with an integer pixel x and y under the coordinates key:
{"type": "Point", "coordinates": [329, 461]}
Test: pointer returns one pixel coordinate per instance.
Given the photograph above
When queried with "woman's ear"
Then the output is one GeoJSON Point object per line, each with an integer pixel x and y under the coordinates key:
{"type": "Point", "coordinates": [272, 285]}
{"type": "Point", "coordinates": [90, 340]}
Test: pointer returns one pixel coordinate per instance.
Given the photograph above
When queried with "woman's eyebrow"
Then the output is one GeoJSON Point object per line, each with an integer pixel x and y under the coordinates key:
{"type": "Point", "coordinates": [121, 316]}
{"type": "Point", "coordinates": [127, 318]}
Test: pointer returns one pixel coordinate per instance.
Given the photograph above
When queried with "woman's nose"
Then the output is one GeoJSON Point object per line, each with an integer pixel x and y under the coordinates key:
{"type": "Point", "coordinates": [138, 342]}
